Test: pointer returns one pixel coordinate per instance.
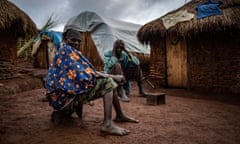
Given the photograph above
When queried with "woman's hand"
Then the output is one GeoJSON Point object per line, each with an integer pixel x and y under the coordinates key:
{"type": "Point", "coordinates": [120, 79]}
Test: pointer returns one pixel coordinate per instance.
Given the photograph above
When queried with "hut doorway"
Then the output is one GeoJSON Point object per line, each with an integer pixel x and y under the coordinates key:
{"type": "Point", "coordinates": [176, 52]}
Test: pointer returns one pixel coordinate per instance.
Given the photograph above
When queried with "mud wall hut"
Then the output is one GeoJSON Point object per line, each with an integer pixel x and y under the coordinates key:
{"type": "Point", "coordinates": [196, 53]}
{"type": "Point", "coordinates": [14, 23]}
{"type": "Point", "coordinates": [99, 34]}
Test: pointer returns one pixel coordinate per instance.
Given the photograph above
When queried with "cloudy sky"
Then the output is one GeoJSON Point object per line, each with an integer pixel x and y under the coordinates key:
{"type": "Point", "coordinates": [135, 11]}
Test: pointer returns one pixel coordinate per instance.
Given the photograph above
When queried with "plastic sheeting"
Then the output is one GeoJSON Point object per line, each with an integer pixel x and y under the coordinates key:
{"type": "Point", "coordinates": [54, 35]}
{"type": "Point", "coordinates": [208, 9]}
{"type": "Point", "coordinates": [171, 20]}
{"type": "Point", "coordinates": [104, 31]}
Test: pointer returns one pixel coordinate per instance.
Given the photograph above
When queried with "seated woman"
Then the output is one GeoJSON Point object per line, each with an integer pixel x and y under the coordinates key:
{"type": "Point", "coordinates": [120, 61]}
{"type": "Point", "coordinates": [72, 80]}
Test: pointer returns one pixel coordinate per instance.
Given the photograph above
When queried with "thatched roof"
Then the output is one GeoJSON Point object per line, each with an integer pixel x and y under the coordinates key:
{"type": "Point", "coordinates": [12, 17]}
{"type": "Point", "coordinates": [228, 22]}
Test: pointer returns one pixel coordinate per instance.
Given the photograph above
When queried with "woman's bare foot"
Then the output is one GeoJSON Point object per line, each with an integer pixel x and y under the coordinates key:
{"type": "Point", "coordinates": [124, 118]}
{"type": "Point", "coordinates": [114, 130]}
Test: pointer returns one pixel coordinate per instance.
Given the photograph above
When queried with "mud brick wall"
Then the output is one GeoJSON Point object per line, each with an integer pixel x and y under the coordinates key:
{"type": "Point", "coordinates": [214, 64]}
{"type": "Point", "coordinates": [157, 68]}
{"type": "Point", "coordinates": [8, 54]}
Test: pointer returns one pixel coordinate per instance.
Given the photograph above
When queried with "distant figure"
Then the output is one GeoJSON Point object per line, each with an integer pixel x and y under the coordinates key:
{"type": "Point", "coordinates": [120, 61]}
{"type": "Point", "coordinates": [72, 80]}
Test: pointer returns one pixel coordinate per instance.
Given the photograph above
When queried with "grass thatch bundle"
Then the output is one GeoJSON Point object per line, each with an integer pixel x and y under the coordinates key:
{"type": "Point", "coordinates": [11, 16]}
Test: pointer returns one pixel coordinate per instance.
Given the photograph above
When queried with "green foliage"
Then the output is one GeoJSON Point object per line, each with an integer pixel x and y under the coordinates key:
{"type": "Point", "coordinates": [50, 23]}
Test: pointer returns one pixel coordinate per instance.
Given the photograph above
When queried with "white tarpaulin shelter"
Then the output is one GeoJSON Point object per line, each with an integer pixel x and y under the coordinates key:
{"type": "Point", "coordinates": [104, 31]}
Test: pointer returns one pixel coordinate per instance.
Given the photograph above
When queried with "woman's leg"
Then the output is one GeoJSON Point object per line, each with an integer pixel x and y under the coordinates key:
{"type": "Point", "coordinates": [108, 125]}
{"type": "Point", "coordinates": [120, 117]}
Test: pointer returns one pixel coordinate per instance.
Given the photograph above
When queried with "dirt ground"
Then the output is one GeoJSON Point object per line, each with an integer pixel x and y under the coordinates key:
{"type": "Point", "coordinates": [186, 118]}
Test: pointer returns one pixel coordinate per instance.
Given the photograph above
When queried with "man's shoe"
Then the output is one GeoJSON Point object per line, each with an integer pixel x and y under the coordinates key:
{"type": "Point", "coordinates": [124, 98]}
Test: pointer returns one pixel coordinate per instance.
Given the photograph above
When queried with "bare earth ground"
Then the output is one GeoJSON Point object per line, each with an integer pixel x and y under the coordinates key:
{"type": "Point", "coordinates": [186, 118]}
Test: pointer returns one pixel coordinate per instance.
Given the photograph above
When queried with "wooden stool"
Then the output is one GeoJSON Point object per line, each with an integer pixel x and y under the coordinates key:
{"type": "Point", "coordinates": [155, 98]}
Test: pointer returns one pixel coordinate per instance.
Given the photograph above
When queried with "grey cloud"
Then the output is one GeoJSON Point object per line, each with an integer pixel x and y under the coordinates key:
{"type": "Point", "coordinates": [136, 11]}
